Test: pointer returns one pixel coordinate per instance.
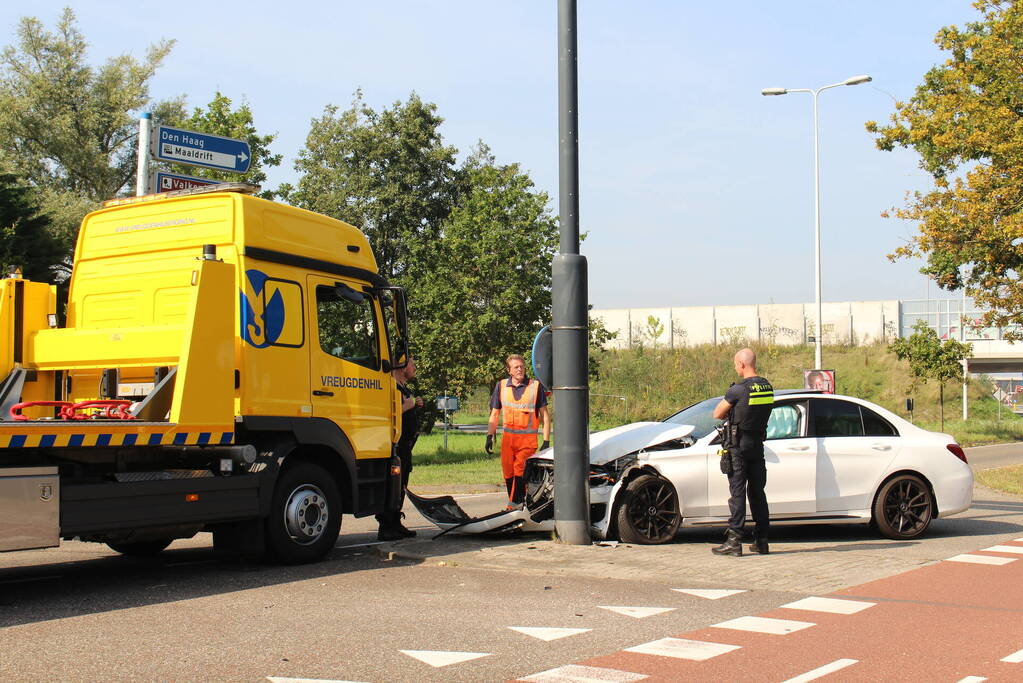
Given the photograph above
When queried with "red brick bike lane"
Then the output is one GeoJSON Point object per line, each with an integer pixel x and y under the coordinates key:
{"type": "Point", "coordinates": [960, 619]}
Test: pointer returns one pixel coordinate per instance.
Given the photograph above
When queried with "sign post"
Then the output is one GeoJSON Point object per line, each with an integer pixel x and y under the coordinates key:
{"type": "Point", "coordinates": [142, 171]}
{"type": "Point", "coordinates": [200, 149]}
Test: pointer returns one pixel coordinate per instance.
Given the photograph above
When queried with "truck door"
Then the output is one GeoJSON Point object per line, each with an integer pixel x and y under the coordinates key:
{"type": "Point", "coordinates": [347, 382]}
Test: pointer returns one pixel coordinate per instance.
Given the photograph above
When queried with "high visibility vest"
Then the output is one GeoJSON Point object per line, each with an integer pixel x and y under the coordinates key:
{"type": "Point", "coordinates": [519, 416]}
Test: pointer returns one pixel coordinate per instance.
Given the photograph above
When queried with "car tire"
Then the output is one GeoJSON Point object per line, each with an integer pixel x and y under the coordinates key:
{"type": "Point", "coordinates": [305, 515]}
{"type": "Point", "coordinates": [648, 512]}
{"type": "Point", "coordinates": [141, 548]}
{"type": "Point", "coordinates": [903, 508]}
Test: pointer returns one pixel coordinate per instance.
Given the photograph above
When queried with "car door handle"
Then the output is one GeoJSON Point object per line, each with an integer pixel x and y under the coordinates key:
{"type": "Point", "coordinates": [318, 392]}
{"type": "Point", "coordinates": [799, 448]}
{"type": "Point", "coordinates": [881, 447]}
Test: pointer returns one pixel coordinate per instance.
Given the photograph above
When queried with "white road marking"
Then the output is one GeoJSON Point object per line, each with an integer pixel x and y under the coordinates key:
{"type": "Point", "coordinates": [836, 665]}
{"type": "Point", "coordinates": [981, 559]}
{"type": "Point", "coordinates": [439, 658]}
{"type": "Point", "coordinates": [682, 648]}
{"type": "Point", "coordinates": [637, 612]}
{"type": "Point", "coordinates": [574, 673]}
{"type": "Point", "coordinates": [1016, 549]}
{"type": "Point", "coordinates": [971, 679]}
{"type": "Point", "coordinates": [548, 633]}
{"type": "Point", "coordinates": [358, 545]}
{"type": "Point", "coordinates": [708, 593]}
{"type": "Point", "coordinates": [1014, 658]}
{"type": "Point", "coordinates": [778, 627]}
{"type": "Point", "coordinates": [832, 605]}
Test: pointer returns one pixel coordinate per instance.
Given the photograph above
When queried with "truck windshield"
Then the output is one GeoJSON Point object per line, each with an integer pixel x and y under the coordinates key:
{"type": "Point", "coordinates": [699, 415]}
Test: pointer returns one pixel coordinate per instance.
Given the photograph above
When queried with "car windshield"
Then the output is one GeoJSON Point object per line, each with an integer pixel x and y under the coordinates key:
{"type": "Point", "coordinates": [699, 415]}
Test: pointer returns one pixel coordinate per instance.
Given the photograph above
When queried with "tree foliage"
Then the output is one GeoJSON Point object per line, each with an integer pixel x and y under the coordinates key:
{"type": "Point", "coordinates": [931, 358]}
{"type": "Point", "coordinates": [966, 123]}
{"type": "Point", "coordinates": [387, 172]}
{"type": "Point", "coordinates": [488, 289]}
{"type": "Point", "coordinates": [219, 119]}
{"type": "Point", "coordinates": [65, 127]}
{"type": "Point", "coordinates": [25, 238]}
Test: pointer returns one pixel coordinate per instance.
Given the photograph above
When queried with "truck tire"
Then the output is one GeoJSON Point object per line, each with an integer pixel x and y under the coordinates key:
{"type": "Point", "coordinates": [305, 515]}
{"type": "Point", "coordinates": [141, 548]}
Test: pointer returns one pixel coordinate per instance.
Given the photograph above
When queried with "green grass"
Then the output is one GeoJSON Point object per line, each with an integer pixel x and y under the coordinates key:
{"type": "Point", "coordinates": [1007, 479]}
{"type": "Point", "coordinates": [463, 462]}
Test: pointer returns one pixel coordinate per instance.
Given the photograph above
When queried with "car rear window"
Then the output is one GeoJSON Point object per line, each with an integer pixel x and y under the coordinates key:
{"type": "Point", "coordinates": [833, 417]}
{"type": "Point", "coordinates": [875, 425]}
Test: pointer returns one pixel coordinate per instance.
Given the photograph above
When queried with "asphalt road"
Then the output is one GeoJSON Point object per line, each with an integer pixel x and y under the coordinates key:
{"type": "Point", "coordinates": [83, 613]}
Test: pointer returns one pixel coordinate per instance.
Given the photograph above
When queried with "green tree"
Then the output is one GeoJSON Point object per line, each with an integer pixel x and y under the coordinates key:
{"type": "Point", "coordinates": [931, 358]}
{"type": "Point", "coordinates": [25, 239]}
{"type": "Point", "coordinates": [65, 127]}
{"type": "Point", "coordinates": [388, 172]}
{"type": "Point", "coordinates": [488, 289]}
{"type": "Point", "coordinates": [966, 123]}
{"type": "Point", "coordinates": [219, 119]}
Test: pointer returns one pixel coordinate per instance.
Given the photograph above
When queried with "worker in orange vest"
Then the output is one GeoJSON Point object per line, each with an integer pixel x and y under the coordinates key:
{"type": "Point", "coordinates": [521, 403]}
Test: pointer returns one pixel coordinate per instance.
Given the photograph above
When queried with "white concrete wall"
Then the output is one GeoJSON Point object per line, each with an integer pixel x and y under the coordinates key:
{"type": "Point", "coordinates": [859, 322]}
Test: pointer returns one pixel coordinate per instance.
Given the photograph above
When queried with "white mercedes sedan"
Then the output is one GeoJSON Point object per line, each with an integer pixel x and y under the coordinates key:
{"type": "Point", "coordinates": [830, 460]}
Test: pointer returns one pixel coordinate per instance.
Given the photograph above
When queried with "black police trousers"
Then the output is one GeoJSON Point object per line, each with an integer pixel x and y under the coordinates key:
{"type": "Point", "coordinates": [392, 518]}
{"type": "Point", "coordinates": [748, 479]}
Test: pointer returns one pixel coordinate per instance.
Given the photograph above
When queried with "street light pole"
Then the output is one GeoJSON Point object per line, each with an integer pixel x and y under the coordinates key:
{"type": "Point", "coordinates": [819, 327]}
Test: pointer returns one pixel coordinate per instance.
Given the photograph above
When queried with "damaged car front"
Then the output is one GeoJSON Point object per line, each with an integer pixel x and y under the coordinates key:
{"type": "Point", "coordinates": [626, 491]}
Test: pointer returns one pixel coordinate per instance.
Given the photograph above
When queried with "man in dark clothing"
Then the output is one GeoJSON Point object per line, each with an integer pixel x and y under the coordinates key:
{"type": "Point", "coordinates": [391, 528]}
{"type": "Point", "coordinates": [747, 405]}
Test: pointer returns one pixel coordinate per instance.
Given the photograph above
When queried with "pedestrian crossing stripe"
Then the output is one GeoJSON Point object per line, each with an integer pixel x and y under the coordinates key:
{"type": "Point", "coordinates": [74, 438]}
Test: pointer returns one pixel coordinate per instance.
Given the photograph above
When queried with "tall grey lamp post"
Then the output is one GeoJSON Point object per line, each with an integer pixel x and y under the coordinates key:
{"type": "Point", "coordinates": [855, 80]}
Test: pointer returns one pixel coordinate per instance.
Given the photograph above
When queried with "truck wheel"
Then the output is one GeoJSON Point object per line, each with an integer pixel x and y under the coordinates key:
{"type": "Point", "coordinates": [648, 513]}
{"type": "Point", "coordinates": [141, 548]}
{"type": "Point", "coordinates": [305, 515]}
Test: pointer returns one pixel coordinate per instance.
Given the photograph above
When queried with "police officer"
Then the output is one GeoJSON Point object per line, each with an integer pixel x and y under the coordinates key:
{"type": "Point", "coordinates": [749, 404]}
{"type": "Point", "coordinates": [391, 528]}
{"type": "Point", "coordinates": [520, 403]}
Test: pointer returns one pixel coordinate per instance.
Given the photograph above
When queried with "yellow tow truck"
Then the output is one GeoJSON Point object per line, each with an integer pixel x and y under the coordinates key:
{"type": "Point", "coordinates": [225, 367]}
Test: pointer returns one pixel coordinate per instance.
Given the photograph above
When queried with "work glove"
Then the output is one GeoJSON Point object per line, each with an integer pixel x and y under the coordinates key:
{"type": "Point", "coordinates": [545, 445]}
{"type": "Point", "coordinates": [489, 448]}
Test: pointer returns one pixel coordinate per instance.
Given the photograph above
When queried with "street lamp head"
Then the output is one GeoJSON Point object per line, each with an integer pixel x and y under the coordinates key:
{"type": "Point", "coordinates": [773, 91]}
{"type": "Point", "coordinates": [856, 80]}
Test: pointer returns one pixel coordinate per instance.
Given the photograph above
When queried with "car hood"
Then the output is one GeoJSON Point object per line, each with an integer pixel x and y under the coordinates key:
{"type": "Point", "coordinates": [614, 443]}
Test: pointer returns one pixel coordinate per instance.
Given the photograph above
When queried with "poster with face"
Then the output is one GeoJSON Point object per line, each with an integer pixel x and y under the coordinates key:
{"type": "Point", "coordinates": [819, 380]}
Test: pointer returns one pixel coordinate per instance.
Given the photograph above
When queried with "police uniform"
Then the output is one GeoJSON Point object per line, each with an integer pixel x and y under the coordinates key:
{"type": "Point", "coordinates": [751, 401]}
{"type": "Point", "coordinates": [520, 407]}
{"type": "Point", "coordinates": [390, 521]}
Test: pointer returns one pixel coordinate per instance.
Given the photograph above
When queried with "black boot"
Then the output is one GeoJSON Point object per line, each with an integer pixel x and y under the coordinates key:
{"type": "Point", "coordinates": [731, 546]}
{"type": "Point", "coordinates": [402, 529]}
{"type": "Point", "coordinates": [759, 545]}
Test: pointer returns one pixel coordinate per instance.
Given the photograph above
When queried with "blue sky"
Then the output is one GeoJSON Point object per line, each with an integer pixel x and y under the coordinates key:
{"type": "Point", "coordinates": [695, 189]}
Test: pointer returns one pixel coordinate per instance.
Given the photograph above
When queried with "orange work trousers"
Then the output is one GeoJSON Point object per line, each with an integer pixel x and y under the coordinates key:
{"type": "Point", "coordinates": [515, 450]}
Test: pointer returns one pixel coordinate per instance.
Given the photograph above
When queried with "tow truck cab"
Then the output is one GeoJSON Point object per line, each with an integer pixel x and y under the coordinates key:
{"type": "Point", "coordinates": [225, 366]}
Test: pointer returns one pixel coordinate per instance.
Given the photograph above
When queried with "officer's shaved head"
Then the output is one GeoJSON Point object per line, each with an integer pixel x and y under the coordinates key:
{"type": "Point", "coordinates": [746, 357]}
